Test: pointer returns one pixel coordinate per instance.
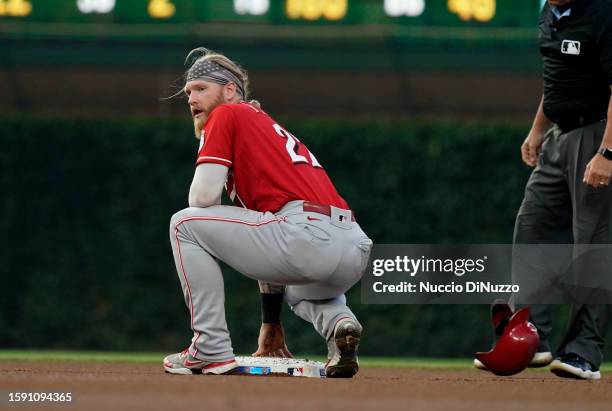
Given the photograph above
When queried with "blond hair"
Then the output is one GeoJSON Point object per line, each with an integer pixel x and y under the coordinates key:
{"type": "Point", "coordinates": [202, 54]}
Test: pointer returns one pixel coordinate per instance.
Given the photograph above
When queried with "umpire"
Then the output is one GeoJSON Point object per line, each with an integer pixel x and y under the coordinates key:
{"type": "Point", "coordinates": [568, 197]}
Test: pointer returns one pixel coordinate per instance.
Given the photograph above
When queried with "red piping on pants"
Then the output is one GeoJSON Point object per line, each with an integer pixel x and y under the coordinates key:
{"type": "Point", "coordinates": [178, 246]}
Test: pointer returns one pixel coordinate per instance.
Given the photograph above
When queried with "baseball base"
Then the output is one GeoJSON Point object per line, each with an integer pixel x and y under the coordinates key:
{"type": "Point", "coordinates": [280, 366]}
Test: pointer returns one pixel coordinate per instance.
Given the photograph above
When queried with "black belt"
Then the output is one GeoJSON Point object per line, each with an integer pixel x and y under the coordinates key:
{"type": "Point", "coordinates": [309, 206]}
{"type": "Point", "coordinates": [568, 125]}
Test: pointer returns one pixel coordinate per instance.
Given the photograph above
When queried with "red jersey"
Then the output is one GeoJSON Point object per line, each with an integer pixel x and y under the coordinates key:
{"type": "Point", "coordinates": [268, 165]}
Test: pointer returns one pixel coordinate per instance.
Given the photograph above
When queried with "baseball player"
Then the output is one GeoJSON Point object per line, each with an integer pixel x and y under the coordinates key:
{"type": "Point", "coordinates": [290, 230]}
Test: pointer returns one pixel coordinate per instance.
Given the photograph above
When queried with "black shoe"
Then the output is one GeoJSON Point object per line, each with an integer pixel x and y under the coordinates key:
{"type": "Point", "coordinates": [574, 366]}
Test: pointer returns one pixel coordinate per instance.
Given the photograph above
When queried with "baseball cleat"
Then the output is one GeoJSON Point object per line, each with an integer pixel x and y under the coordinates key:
{"type": "Point", "coordinates": [342, 350]}
{"type": "Point", "coordinates": [185, 364]}
{"type": "Point", "coordinates": [540, 359]}
{"type": "Point", "coordinates": [574, 366]}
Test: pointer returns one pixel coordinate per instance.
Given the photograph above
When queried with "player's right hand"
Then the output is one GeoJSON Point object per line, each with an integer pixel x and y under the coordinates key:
{"type": "Point", "coordinates": [271, 342]}
{"type": "Point", "coordinates": [531, 148]}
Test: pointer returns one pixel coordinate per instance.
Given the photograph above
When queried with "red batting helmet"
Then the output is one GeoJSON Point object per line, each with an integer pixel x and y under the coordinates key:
{"type": "Point", "coordinates": [515, 348]}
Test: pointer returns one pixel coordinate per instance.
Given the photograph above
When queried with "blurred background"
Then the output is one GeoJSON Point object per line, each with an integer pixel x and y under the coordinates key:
{"type": "Point", "coordinates": [416, 108]}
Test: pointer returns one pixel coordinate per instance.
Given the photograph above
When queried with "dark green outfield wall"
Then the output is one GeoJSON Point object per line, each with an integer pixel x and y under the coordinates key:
{"type": "Point", "coordinates": [85, 257]}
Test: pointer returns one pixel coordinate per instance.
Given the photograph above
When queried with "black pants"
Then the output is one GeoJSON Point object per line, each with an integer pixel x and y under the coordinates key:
{"type": "Point", "coordinates": [558, 208]}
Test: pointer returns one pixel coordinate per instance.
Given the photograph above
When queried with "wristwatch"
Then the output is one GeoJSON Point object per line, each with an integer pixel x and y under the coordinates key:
{"type": "Point", "coordinates": [606, 152]}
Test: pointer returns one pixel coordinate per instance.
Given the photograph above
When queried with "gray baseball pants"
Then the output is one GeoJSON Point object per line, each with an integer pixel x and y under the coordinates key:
{"type": "Point", "coordinates": [317, 258]}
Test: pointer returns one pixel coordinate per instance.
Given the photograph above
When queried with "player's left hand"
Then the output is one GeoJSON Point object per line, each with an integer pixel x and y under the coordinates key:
{"type": "Point", "coordinates": [271, 342]}
{"type": "Point", "coordinates": [598, 172]}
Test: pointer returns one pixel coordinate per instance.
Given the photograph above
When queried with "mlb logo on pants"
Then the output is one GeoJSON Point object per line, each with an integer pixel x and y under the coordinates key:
{"type": "Point", "coordinates": [570, 47]}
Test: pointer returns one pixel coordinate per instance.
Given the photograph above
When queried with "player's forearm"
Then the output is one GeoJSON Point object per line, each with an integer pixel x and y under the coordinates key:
{"type": "Point", "coordinates": [541, 123]}
{"type": "Point", "coordinates": [271, 302]}
{"type": "Point", "coordinates": [607, 137]}
{"type": "Point", "coordinates": [198, 198]}
{"type": "Point", "coordinates": [207, 185]}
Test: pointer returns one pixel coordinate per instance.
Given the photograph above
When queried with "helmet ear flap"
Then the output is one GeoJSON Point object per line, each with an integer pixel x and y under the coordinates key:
{"type": "Point", "coordinates": [515, 348]}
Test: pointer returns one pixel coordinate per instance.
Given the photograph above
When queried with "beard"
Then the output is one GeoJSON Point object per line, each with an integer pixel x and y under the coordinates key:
{"type": "Point", "coordinates": [198, 122]}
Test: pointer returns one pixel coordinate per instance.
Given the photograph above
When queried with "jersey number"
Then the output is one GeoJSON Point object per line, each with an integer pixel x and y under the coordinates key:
{"type": "Point", "coordinates": [292, 148]}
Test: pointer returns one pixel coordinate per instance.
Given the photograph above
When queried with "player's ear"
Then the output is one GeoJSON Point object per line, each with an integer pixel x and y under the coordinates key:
{"type": "Point", "coordinates": [230, 91]}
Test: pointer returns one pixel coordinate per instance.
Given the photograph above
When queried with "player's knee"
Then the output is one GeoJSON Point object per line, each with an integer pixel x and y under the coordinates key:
{"type": "Point", "coordinates": [179, 217]}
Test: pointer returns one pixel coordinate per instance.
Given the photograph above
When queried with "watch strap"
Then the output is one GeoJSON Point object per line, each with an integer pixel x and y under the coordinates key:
{"type": "Point", "coordinates": [606, 152]}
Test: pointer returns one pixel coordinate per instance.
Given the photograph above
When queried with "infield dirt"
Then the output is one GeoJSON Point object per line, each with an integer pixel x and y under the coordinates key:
{"type": "Point", "coordinates": [101, 386]}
